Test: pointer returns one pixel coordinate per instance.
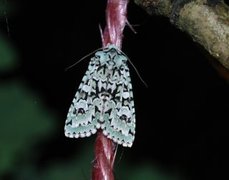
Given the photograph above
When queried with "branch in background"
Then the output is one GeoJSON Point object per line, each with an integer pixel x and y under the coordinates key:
{"type": "Point", "coordinates": [206, 21]}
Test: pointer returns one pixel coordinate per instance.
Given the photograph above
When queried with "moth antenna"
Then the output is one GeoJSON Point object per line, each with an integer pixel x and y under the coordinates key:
{"type": "Point", "coordinates": [136, 70]}
{"type": "Point", "coordinates": [103, 42]}
{"type": "Point", "coordinates": [138, 73]}
{"type": "Point", "coordinates": [77, 62]}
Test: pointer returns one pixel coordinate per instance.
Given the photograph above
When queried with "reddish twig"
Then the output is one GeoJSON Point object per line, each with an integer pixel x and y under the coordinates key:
{"type": "Point", "coordinates": [104, 158]}
{"type": "Point", "coordinates": [105, 149]}
{"type": "Point", "coordinates": [116, 21]}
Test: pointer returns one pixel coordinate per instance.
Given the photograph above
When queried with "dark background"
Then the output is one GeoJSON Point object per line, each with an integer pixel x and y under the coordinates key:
{"type": "Point", "coordinates": [182, 115]}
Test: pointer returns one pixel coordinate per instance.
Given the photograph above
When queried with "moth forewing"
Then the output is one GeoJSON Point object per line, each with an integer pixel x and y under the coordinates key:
{"type": "Point", "coordinates": [104, 99]}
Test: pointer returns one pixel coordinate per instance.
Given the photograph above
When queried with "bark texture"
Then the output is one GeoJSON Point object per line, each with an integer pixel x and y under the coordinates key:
{"type": "Point", "coordinates": [206, 21]}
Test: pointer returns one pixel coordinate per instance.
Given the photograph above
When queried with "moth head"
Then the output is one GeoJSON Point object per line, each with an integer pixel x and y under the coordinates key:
{"type": "Point", "coordinates": [112, 55]}
{"type": "Point", "coordinates": [116, 55]}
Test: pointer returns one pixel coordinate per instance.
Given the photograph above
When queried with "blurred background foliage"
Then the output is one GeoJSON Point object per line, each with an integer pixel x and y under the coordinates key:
{"type": "Point", "coordinates": [7, 55]}
{"type": "Point", "coordinates": [181, 130]}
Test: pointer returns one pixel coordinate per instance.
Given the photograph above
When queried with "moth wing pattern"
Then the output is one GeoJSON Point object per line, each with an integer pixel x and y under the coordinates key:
{"type": "Point", "coordinates": [121, 124]}
{"type": "Point", "coordinates": [104, 100]}
{"type": "Point", "coordinates": [80, 121]}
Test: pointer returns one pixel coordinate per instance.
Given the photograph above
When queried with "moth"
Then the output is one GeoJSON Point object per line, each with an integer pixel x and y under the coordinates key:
{"type": "Point", "coordinates": [104, 99]}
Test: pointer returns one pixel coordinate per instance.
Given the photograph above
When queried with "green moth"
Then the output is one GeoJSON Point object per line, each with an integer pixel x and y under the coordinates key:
{"type": "Point", "coordinates": [104, 99]}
